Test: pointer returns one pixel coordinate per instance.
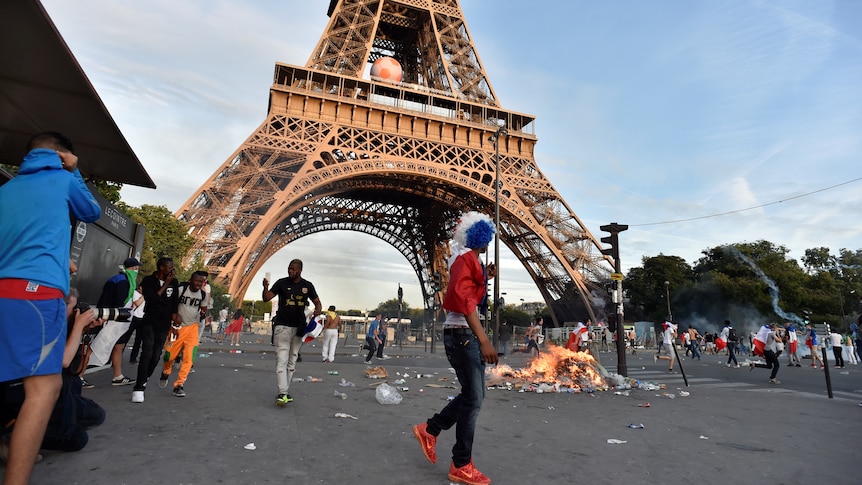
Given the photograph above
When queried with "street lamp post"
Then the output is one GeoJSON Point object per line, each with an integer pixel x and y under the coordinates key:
{"type": "Point", "coordinates": [501, 131]}
{"type": "Point", "coordinates": [667, 296]}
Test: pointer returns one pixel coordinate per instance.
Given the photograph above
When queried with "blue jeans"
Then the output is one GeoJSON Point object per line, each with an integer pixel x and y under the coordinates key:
{"type": "Point", "coordinates": [731, 353]}
{"type": "Point", "coordinates": [463, 353]}
{"type": "Point", "coordinates": [694, 352]}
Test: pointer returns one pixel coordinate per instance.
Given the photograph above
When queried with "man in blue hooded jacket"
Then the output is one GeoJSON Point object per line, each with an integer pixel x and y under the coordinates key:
{"type": "Point", "coordinates": [35, 235]}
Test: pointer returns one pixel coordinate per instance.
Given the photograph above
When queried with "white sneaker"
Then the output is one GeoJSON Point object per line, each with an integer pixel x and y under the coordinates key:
{"type": "Point", "coordinates": [137, 396]}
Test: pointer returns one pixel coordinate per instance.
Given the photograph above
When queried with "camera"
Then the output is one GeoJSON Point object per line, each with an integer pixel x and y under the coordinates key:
{"type": "Point", "coordinates": [115, 314]}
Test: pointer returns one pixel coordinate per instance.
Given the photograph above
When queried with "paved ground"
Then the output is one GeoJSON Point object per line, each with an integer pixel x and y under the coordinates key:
{"type": "Point", "coordinates": [752, 433]}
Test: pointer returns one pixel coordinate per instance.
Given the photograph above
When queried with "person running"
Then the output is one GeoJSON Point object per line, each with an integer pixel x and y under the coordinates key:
{"type": "Point", "coordinates": [728, 334]}
{"type": "Point", "coordinates": [294, 296]}
{"type": "Point", "coordinates": [693, 338]}
{"type": "Point", "coordinates": [160, 291]}
{"type": "Point", "coordinates": [813, 344]}
{"type": "Point", "coordinates": [764, 344]}
{"type": "Point", "coordinates": [191, 308]}
{"type": "Point", "coordinates": [468, 349]}
{"type": "Point", "coordinates": [668, 335]}
{"type": "Point", "coordinates": [372, 337]}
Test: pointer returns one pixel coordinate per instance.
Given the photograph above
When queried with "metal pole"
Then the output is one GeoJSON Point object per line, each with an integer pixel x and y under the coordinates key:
{"type": "Point", "coordinates": [667, 296]}
{"type": "Point", "coordinates": [500, 131]}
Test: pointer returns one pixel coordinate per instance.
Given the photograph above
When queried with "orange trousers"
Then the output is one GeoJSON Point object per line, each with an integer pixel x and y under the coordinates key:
{"type": "Point", "coordinates": [187, 342]}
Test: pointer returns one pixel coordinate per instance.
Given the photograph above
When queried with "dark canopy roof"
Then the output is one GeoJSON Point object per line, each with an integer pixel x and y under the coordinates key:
{"type": "Point", "coordinates": [43, 88]}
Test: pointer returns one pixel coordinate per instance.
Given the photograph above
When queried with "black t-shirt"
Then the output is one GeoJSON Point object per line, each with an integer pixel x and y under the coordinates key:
{"type": "Point", "coordinates": [292, 300]}
{"type": "Point", "coordinates": [159, 309]}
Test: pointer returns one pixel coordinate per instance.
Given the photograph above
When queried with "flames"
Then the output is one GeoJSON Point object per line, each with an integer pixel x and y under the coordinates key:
{"type": "Point", "coordinates": [556, 366]}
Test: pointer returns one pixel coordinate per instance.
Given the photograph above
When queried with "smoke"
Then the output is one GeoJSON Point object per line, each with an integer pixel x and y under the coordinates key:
{"type": "Point", "coordinates": [773, 288]}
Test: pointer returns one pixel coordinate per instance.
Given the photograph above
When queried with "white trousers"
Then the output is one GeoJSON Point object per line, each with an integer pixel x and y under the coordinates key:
{"type": "Point", "coordinates": [330, 340]}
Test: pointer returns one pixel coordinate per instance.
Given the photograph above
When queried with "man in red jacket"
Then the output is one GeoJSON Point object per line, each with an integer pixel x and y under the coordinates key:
{"type": "Point", "coordinates": [467, 348]}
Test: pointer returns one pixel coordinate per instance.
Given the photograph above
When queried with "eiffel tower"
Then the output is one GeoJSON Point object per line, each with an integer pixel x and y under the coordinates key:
{"type": "Point", "coordinates": [341, 150]}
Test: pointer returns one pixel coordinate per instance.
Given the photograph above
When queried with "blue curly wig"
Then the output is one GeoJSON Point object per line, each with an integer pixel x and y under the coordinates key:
{"type": "Point", "coordinates": [474, 230]}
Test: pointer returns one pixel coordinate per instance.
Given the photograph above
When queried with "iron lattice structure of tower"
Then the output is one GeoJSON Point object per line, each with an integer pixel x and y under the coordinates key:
{"type": "Point", "coordinates": [339, 151]}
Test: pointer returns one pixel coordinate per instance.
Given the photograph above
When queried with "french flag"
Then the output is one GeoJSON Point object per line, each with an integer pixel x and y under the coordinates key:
{"type": "Point", "coordinates": [760, 340]}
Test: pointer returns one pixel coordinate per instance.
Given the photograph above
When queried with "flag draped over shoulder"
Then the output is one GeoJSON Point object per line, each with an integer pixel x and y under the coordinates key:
{"type": "Point", "coordinates": [760, 340]}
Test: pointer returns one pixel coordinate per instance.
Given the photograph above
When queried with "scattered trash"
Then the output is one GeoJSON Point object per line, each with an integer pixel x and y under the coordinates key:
{"type": "Point", "coordinates": [669, 395]}
{"type": "Point", "coordinates": [333, 372]}
{"type": "Point", "coordinates": [236, 351]}
{"type": "Point", "coordinates": [644, 405]}
{"type": "Point", "coordinates": [551, 408]}
{"type": "Point", "coordinates": [703, 437]}
{"type": "Point", "coordinates": [544, 387]}
{"type": "Point", "coordinates": [684, 393]}
{"type": "Point", "coordinates": [386, 394]}
{"type": "Point", "coordinates": [378, 372]}
{"type": "Point", "coordinates": [345, 383]}
{"type": "Point", "coordinates": [399, 381]}
{"type": "Point", "coordinates": [405, 388]}
{"type": "Point", "coordinates": [616, 442]}
{"type": "Point", "coordinates": [343, 415]}
{"type": "Point", "coordinates": [622, 393]}
{"type": "Point", "coordinates": [250, 446]}
{"type": "Point", "coordinates": [249, 365]}
{"type": "Point", "coordinates": [449, 398]}
{"type": "Point", "coordinates": [421, 390]}
{"type": "Point", "coordinates": [203, 355]}
{"type": "Point", "coordinates": [636, 426]}
{"type": "Point", "coordinates": [297, 379]}
{"type": "Point", "coordinates": [340, 394]}
{"type": "Point", "coordinates": [845, 372]}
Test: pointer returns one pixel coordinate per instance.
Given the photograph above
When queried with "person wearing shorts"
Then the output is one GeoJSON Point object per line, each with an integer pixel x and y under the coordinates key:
{"type": "Point", "coordinates": [35, 236]}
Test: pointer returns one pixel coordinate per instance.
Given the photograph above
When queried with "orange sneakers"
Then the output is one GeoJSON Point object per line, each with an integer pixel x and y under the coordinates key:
{"type": "Point", "coordinates": [468, 474]}
{"type": "Point", "coordinates": [426, 440]}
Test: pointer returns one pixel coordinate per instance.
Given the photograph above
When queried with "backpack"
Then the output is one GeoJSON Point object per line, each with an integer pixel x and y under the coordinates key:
{"type": "Point", "coordinates": [184, 287]}
{"type": "Point", "coordinates": [731, 336]}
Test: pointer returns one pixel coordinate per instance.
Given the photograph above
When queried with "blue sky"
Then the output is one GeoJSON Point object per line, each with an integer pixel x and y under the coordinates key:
{"type": "Point", "coordinates": [646, 112]}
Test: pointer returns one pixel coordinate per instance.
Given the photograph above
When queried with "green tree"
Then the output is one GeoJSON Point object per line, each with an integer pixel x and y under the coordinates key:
{"type": "Point", "coordinates": [389, 308]}
{"type": "Point", "coordinates": [817, 260]}
{"type": "Point", "coordinates": [514, 316]}
{"type": "Point", "coordinates": [254, 309]}
{"type": "Point", "coordinates": [165, 236]}
{"type": "Point", "coordinates": [742, 278]}
{"type": "Point", "coordinates": [109, 190]}
{"type": "Point", "coordinates": [646, 290]}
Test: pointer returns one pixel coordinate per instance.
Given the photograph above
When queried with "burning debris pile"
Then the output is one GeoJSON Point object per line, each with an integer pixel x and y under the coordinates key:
{"type": "Point", "coordinates": [556, 369]}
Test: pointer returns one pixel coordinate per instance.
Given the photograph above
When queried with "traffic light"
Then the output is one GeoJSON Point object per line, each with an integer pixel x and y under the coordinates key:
{"type": "Point", "coordinates": [613, 239]}
{"type": "Point", "coordinates": [437, 281]}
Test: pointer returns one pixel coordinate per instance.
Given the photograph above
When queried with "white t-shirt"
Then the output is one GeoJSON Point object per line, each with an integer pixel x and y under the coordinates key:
{"type": "Point", "coordinates": [138, 312]}
{"type": "Point", "coordinates": [189, 306]}
{"type": "Point", "coordinates": [837, 339]}
{"type": "Point", "coordinates": [668, 335]}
